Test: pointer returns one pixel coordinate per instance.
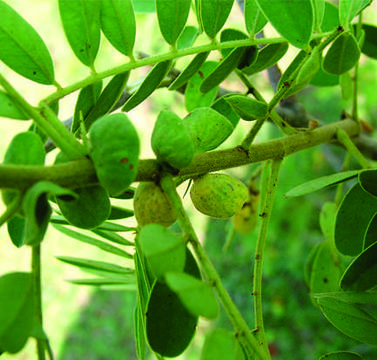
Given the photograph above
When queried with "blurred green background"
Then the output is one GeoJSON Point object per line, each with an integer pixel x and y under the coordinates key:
{"type": "Point", "coordinates": [85, 323]}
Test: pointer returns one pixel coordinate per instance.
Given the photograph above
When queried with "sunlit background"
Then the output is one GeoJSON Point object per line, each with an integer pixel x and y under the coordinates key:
{"type": "Point", "coordinates": [92, 324]}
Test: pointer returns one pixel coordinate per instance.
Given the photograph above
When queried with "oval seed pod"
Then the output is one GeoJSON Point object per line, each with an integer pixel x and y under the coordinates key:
{"type": "Point", "coordinates": [114, 151]}
{"type": "Point", "coordinates": [151, 206]}
{"type": "Point", "coordinates": [218, 195]}
{"type": "Point", "coordinates": [245, 220]}
{"type": "Point", "coordinates": [171, 141]}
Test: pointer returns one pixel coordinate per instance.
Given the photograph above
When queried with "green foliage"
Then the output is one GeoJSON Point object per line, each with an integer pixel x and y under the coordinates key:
{"type": "Point", "coordinates": [172, 278]}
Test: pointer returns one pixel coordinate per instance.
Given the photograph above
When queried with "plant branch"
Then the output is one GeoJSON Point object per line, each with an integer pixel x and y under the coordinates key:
{"type": "Point", "coordinates": [261, 242]}
{"type": "Point", "coordinates": [60, 93]}
{"type": "Point", "coordinates": [243, 332]}
{"type": "Point", "coordinates": [36, 272]}
{"type": "Point", "coordinates": [81, 172]}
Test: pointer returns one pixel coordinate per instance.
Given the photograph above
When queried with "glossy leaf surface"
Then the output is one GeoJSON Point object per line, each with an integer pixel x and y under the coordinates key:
{"type": "Point", "coordinates": [355, 212]}
{"type": "Point", "coordinates": [321, 183]}
{"type": "Point", "coordinates": [350, 320]}
{"type": "Point", "coordinates": [22, 49]}
{"type": "Point", "coordinates": [213, 14]}
{"type": "Point", "coordinates": [9, 109]}
{"type": "Point", "coordinates": [81, 23]}
{"type": "Point", "coordinates": [17, 315]}
{"type": "Point", "coordinates": [193, 97]}
{"type": "Point", "coordinates": [254, 18]}
{"type": "Point", "coordinates": [292, 19]}
{"type": "Point", "coordinates": [246, 107]}
{"type": "Point", "coordinates": [150, 84]}
{"type": "Point", "coordinates": [118, 24]}
{"type": "Point", "coordinates": [221, 344]}
{"type": "Point", "coordinates": [361, 275]}
{"type": "Point", "coordinates": [343, 54]}
{"type": "Point", "coordinates": [164, 250]}
{"type": "Point", "coordinates": [172, 16]}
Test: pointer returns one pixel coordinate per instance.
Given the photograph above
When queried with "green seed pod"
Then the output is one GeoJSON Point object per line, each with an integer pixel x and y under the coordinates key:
{"type": "Point", "coordinates": [207, 128]}
{"type": "Point", "coordinates": [170, 140]}
{"type": "Point", "coordinates": [151, 206]}
{"type": "Point", "coordinates": [245, 220]}
{"type": "Point", "coordinates": [218, 195]}
{"type": "Point", "coordinates": [114, 150]}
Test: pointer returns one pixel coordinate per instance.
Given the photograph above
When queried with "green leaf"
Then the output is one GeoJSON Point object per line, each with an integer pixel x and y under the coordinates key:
{"type": "Point", "coordinates": [370, 235]}
{"type": "Point", "coordinates": [108, 98]}
{"type": "Point", "coordinates": [354, 214]}
{"type": "Point", "coordinates": [16, 230]}
{"type": "Point", "coordinates": [350, 320]}
{"type": "Point", "coordinates": [346, 86]}
{"type": "Point", "coordinates": [37, 210]}
{"type": "Point", "coordinates": [113, 237]}
{"type": "Point", "coordinates": [221, 344]}
{"type": "Point", "coordinates": [81, 23]}
{"type": "Point", "coordinates": [169, 326]}
{"type": "Point", "coordinates": [191, 69]}
{"type": "Point", "coordinates": [319, 13]}
{"type": "Point", "coordinates": [341, 355]}
{"type": "Point", "coordinates": [22, 49]}
{"type": "Point", "coordinates": [144, 6]}
{"type": "Point", "coordinates": [193, 97]}
{"type": "Point", "coordinates": [26, 148]}
{"type": "Point", "coordinates": [327, 220]}
{"type": "Point", "coordinates": [369, 46]}
{"type": "Point", "coordinates": [164, 250]}
{"type": "Point", "coordinates": [103, 281]}
{"type": "Point", "coordinates": [117, 212]}
{"type": "Point", "coordinates": [254, 18]}
{"type": "Point", "coordinates": [309, 264]}
{"type": "Point", "coordinates": [369, 298]}
{"type": "Point", "coordinates": [139, 333]}
{"type": "Point", "coordinates": [367, 180]}
{"type": "Point", "coordinates": [92, 241]}
{"type": "Point", "coordinates": [114, 150]}
{"type": "Point", "coordinates": [349, 9]}
{"type": "Point", "coordinates": [17, 310]}
{"type": "Point", "coordinates": [106, 226]}
{"type": "Point", "coordinates": [94, 264]}
{"type": "Point", "coordinates": [321, 183]}
{"type": "Point", "coordinates": [171, 142]}
{"type": "Point", "coordinates": [172, 16]}
{"type": "Point", "coordinates": [213, 14]}
{"type": "Point", "coordinates": [230, 34]}
{"type": "Point", "coordinates": [223, 108]}
{"type": "Point", "coordinates": [196, 295]}
{"type": "Point", "coordinates": [246, 107]}
{"type": "Point", "coordinates": [89, 210]}
{"type": "Point", "coordinates": [331, 17]}
{"type": "Point", "coordinates": [361, 274]}
{"type": "Point", "coordinates": [325, 272]}
{"type": "Point", "coordinates": [343, 54]}
{"type": "Point", "coordinates": [322, 78]}
{"type": "Point", "coordinates": [148, 86]}
{"type": "Point", "coordinates": [187, 37]}
{"type": "Point", "coordinates": [118, 24]}
{"type": "Point", "coordinates": [268, 56]}
{"type": "Point", "coordinates": [87, 98]}
{"type": "Point", "coordinates": [10, 109]}
{"type": "Point", "coordinates": [292, 19]}
{"type": "Point", "coordinates": [225, 67]}
{"type": "Point", "coordinates": [208, 128]}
